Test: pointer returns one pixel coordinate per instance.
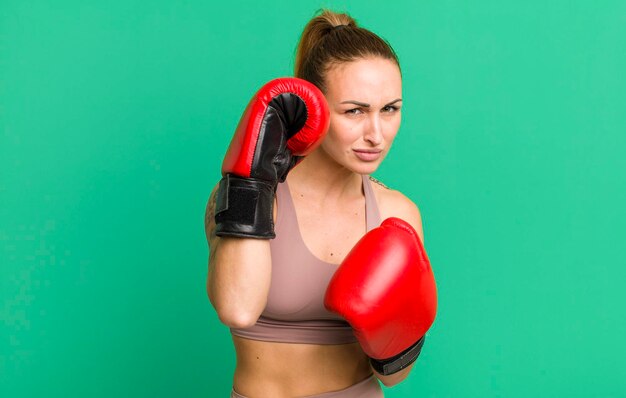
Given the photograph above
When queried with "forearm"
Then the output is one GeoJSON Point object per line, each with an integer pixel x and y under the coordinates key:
{"type": "Point", "coordinates": [239, 279]}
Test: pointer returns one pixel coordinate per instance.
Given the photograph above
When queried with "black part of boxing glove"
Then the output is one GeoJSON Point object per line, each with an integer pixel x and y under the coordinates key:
{"type": "Point", "coordinates": [285, 120]}
{"type": "Point", "coordinates": [398, 362]}
{"type": "Point", "coordinates": [285, 116]}
{"type": "Point", "coordinates": [244, 208]}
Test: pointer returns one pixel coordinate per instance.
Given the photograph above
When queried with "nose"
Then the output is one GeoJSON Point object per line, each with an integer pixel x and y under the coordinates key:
{"type": "Point", "coordinates": [374, 131]}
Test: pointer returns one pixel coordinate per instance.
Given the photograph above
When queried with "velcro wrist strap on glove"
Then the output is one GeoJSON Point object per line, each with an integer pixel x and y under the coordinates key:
{"type": "Point", "coordinates": [402, 360]}
{"type": "Point", "coordinates": [244, 208]}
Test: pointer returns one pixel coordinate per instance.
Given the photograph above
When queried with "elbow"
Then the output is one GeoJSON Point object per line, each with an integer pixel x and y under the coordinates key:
{"type": "Point", "coordinates": [235, 311]}
{"type": "Point", "coordinates": [390, 381]}
{"type": "Point", "coordinates": [234, 315]}
{"type": "Point", "coordinates": [237, 319]}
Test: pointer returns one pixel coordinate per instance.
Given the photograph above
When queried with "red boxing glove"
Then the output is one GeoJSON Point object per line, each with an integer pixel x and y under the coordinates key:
{"type": "Point", "coordinates": [285, 120]}
{"type": "Point", "coordinates": [386, 290]}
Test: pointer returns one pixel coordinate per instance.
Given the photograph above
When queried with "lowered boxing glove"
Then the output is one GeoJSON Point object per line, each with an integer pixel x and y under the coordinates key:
{"type": "Point", "coordinates": [284, 121]}
{"type": "Point", "coordinates": [386, 290]}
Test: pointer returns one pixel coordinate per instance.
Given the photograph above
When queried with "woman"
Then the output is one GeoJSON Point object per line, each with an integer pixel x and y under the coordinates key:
{"type": "Point", "coordinates": [268, 290]}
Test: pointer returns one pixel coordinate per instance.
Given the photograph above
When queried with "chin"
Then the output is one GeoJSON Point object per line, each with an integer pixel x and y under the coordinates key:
{"type": "Point", "coordinates": [360, 167]}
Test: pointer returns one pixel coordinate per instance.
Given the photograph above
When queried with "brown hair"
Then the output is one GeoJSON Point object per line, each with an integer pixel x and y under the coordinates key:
{"type": "Point", "coordinates": [331, 38]}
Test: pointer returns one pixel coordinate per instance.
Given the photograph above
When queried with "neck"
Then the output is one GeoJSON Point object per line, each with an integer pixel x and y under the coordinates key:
{"type": "Point", "coordinates": [320, 178]}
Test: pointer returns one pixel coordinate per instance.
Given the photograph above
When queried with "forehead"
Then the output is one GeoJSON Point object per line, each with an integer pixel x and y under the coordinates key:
{"type": "Point", "coordinates": [371, 79]}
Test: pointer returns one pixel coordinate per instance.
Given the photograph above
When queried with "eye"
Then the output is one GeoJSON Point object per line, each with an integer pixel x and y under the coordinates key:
{"type": "Point", "coordinates": [390, 109]}
{"type": "Point", "coordinates": [354, 111]}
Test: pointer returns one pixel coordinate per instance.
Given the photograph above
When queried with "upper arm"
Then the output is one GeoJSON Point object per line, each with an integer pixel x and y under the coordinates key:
{"type": "Point", "coordinates": [412, 215]}
{"type": "Point", "coordinates": [396, 204]}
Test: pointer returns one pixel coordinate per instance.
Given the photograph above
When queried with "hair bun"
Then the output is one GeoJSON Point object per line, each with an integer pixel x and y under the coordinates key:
{"type": "Point", "coordinates": [321, 45]}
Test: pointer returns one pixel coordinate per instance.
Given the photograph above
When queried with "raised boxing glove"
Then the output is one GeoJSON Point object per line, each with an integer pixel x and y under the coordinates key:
{"type": "Point", "coordinates": [285, 120]}
{"type": "Point", "coordinates": [386, 290]}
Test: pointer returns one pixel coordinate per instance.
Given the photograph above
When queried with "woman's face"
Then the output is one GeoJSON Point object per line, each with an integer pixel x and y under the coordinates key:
{"type": "Point", "coordinates": [365, 98]}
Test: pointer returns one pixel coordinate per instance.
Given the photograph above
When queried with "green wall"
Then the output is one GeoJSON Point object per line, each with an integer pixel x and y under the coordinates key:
{"type": "Point", "coordinates": [114, 117]}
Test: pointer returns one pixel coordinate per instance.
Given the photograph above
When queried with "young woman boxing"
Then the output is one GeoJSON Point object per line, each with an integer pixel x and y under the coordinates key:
{"type": "Point", "coordinates": [322, 296]}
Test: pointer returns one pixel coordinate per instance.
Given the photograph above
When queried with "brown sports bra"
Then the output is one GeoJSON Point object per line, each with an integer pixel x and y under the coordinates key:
{"type": "Point", "coordinates": [295, 311]}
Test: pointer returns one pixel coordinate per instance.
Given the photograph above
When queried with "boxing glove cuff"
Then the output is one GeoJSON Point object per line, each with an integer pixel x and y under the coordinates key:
{"type": "Point", "coordinates": [398, 362]}
{"type": "Point", "coordinates": [244, 208]}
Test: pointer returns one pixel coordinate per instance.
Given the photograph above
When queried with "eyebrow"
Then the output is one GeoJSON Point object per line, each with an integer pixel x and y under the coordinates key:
{"type": "Point", "coordinates": [363, 104]}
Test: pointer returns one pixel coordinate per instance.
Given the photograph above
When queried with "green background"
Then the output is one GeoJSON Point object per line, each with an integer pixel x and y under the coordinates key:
{"type": "Point", "coordinates": [114, 120]}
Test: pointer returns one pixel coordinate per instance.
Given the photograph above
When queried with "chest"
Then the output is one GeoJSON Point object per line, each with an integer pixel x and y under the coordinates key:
{"type": "Point", "coordinates": [329, 233]}
{"type": "Point", "coordinates": [312, 238]}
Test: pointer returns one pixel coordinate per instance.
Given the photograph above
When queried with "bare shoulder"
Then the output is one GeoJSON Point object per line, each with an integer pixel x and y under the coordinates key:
{"type": "Point", "coordinates": [393, 203]}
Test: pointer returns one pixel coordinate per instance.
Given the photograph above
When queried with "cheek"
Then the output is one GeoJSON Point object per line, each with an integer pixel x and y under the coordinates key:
{"type": "Point", "coordinates": [342, 132]}
{"type": "Point", "coordinates": [330, 144]}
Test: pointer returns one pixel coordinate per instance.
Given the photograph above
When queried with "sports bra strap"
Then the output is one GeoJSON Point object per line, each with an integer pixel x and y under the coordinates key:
{"type": "Point", "coordinates": [372, 215]}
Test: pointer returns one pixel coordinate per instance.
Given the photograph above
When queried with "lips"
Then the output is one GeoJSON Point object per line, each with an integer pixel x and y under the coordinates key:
{"type": "Point", "coordinates": [367, 155]}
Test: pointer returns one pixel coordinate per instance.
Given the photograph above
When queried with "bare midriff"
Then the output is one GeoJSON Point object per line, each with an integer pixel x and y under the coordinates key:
{"type": "Point", "coordinates": [268, 369]}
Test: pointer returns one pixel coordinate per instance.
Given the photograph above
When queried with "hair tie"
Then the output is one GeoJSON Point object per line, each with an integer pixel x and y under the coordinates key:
{"type": "Point", "coordinates": [342, 26]}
